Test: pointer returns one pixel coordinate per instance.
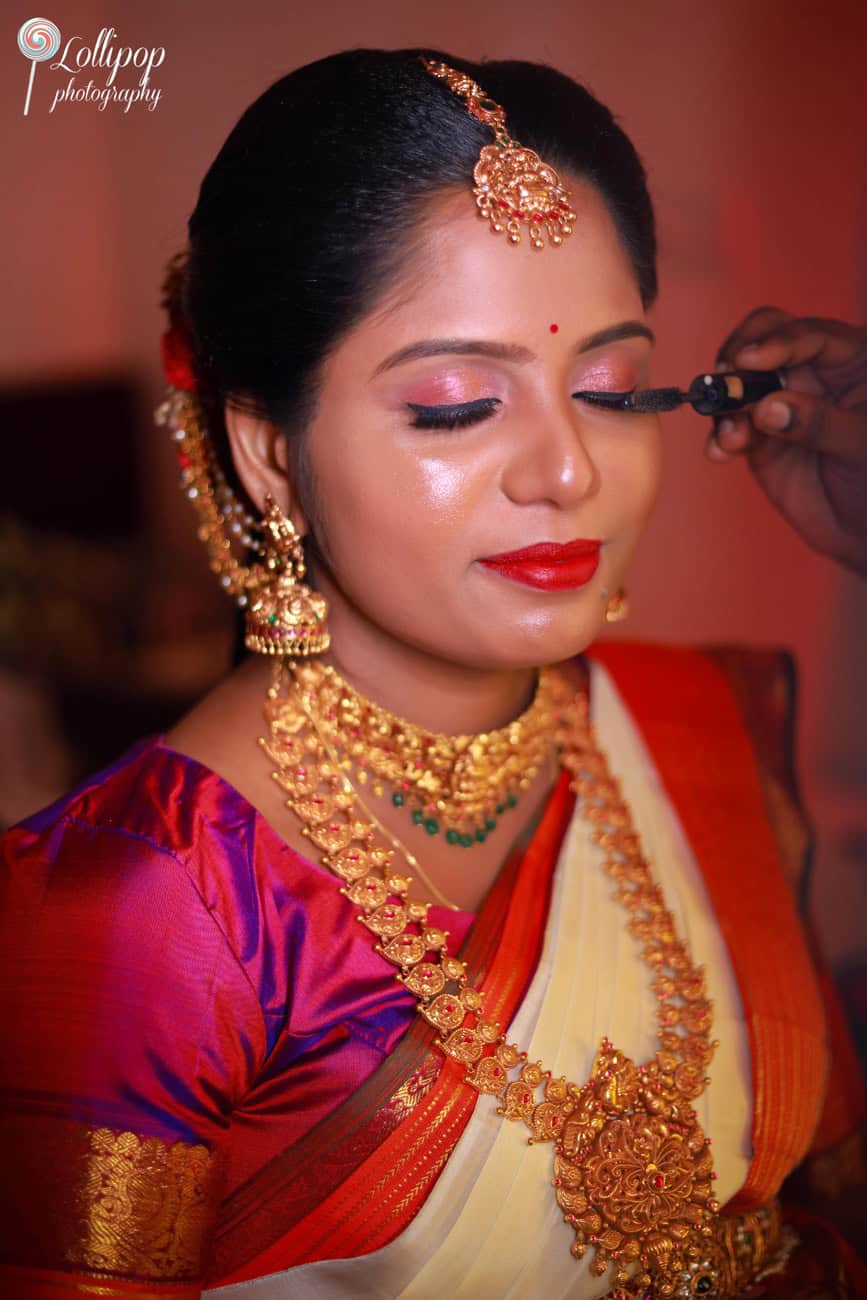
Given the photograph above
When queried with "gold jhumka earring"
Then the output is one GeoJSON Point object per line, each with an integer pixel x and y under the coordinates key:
{"type": "Point", "coordinates": [283, 615]}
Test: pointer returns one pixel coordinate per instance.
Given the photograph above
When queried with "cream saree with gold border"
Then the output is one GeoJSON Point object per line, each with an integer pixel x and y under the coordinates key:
{"type": "Point", "coordinates": [491, 1227]}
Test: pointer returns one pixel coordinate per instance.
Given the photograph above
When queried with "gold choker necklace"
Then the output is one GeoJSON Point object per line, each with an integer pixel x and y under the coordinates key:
{"type": "Point", "coordinates": [458, 785]}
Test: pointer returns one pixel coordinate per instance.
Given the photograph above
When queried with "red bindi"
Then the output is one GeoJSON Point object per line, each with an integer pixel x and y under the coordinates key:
{"type": "Point", "coordinates": [553, 328]}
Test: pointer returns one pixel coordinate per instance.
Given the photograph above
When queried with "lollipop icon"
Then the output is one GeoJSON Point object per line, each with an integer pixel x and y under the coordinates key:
{"type": "Point", "coordinates": [38, 40]}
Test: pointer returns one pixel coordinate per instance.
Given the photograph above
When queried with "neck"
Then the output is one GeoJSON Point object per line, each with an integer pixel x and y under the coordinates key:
{"type": "Point", "coordinates": [438, 695]}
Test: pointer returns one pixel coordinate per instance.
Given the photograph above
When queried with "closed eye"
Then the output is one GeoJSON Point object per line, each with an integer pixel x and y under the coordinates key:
{"type": "Point", "coordinates": [601, 397]}
{"type": "Point", "coordinates": [453, 416]}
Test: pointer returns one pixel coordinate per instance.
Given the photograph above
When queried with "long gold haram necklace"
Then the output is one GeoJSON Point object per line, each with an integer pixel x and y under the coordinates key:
{"type": "Point", "coordinates": [632, 1168]}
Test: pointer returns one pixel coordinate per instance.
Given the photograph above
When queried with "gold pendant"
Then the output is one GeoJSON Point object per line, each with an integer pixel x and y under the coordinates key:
{"type": "Point", "coordinates": [513, 186]}
{"type": "Point", "coordinates": [633, 1173]}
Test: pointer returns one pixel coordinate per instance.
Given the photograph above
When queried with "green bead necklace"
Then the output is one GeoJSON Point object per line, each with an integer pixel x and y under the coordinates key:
{"type": "Point", "coordinates": [453, 836]}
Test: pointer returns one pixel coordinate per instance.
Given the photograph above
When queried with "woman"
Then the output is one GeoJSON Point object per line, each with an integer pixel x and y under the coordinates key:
{"type": "Point", "coordinates": [240, 1095]}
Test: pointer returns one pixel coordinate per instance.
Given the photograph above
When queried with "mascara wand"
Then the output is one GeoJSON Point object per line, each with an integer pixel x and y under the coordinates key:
{"type": "Point", "coordinates": [709, 394]}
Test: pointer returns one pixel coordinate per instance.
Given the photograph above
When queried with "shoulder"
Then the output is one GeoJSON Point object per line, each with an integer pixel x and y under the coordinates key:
{"type": "Point", "coordinates": [153, 835]}
{"type": "Point", "coordinates": [176, 797]}
{"type": "Point", "coordinates": [160, 855]}
{"type": "Point", "coordinates": [151, 796]}
{"type": "Point", "coordinates": [113, 953]}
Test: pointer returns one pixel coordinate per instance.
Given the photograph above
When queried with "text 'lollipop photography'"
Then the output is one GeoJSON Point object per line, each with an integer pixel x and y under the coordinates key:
{"type": "Point", "coordinates": [39, 40]}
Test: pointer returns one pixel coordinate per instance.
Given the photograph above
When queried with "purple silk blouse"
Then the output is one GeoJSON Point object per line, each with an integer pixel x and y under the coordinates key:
{"type": "Point", "coordinates": [170, 966]}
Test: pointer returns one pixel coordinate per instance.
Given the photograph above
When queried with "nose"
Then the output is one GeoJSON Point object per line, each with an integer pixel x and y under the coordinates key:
{"type": "Point", "coordinates": [550, 462]}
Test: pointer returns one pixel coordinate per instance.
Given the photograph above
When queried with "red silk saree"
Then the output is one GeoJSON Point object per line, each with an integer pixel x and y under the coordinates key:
{"type": "Point", "coordinates": [214, 1079]}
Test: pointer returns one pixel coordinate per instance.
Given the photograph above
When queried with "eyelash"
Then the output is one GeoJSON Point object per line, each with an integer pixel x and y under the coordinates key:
{"type": "Point", "coordinates": [461, 416]}
{"type": "Point", "coordinates": [453, 417]}
{"type": "Point", "coordinates": [602, 402]}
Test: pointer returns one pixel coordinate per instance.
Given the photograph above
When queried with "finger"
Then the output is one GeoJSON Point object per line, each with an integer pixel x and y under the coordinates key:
{"type": "Point", "coordinates": [824, 343]}
{"type": "Point", "coordinates": [733, 434]}
{"type": "Point", "coordinates": [713, 451]}
{"type": "Point", "coordinates": [812, 422]}
{"type": "Point", "coordinates": [758, 325]}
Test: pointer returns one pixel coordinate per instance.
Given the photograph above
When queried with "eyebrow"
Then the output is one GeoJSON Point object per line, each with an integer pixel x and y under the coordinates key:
{"type": "Point", "coordinates": [508, 351]}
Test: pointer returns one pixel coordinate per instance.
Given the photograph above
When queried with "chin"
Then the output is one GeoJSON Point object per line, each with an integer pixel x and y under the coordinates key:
{"type": "Point", "coordinates": [567, 643]}
{"type": "Point", "coordinates": [532, 646]}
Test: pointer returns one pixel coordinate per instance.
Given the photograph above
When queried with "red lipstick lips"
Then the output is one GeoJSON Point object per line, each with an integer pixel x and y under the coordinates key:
{"type": "Point", "coordinates": [549, 566]}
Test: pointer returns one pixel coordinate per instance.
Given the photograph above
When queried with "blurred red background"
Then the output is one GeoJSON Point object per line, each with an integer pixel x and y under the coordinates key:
{"type": "Point", "coordinates": [752, 121]}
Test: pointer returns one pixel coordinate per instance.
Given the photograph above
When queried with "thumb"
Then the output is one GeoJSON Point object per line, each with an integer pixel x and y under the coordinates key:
{"type": "Point", "coordinates": [814, 422]}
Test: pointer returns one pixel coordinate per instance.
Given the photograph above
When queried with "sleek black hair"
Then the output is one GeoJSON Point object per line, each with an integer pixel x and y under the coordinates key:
{"type": "Point", "coordinates": [310, 207]}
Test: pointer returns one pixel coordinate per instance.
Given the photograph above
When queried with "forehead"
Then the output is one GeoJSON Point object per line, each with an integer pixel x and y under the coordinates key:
{"type": "Point", "coordinates": [459, 275]}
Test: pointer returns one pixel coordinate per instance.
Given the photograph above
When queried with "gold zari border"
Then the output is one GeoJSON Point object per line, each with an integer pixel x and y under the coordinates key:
{"type": "Point", "coordinates": [108, 1201]}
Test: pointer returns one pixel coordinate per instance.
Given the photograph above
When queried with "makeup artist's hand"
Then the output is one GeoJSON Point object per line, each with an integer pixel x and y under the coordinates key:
{"type": "Point", "coordinates": [807, 444]}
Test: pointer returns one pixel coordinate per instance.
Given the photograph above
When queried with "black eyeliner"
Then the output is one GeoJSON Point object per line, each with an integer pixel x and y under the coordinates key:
{"type": "Point", "coordinates": [452, 416]}
{"type": "Point", "coordinates": [606, 398]}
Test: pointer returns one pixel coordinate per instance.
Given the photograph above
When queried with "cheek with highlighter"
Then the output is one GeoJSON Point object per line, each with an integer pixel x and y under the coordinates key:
{"type": "Point", "coordinates": [630, 463]}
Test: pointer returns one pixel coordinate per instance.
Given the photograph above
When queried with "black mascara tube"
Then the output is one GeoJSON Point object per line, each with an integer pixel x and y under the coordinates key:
{"type": "Point", "coordinates": [713, 394]}
{"type": "Point", "coordinates": [709, 394]}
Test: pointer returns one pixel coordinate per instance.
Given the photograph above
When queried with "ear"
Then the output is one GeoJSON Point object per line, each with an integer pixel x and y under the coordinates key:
{"type": "Point", "coordinates": [259, 452]}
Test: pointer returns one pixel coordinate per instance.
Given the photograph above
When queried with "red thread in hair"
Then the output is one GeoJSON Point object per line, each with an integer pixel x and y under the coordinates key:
{"type": "Point", "coordinates": [177, 357]}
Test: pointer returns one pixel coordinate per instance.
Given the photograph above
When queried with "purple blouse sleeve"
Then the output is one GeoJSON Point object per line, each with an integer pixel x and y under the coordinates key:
{"type": "Point", "coordinates": [129, 1030]}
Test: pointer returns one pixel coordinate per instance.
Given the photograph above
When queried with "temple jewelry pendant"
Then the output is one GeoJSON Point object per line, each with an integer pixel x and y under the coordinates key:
{"type": "Point", "coordinates": [634, 1175]}
{"type": "Point", "coordinates": [513, 185]}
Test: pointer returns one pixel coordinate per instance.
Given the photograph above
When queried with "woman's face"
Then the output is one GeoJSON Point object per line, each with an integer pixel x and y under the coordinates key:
{"type": "Point", "coordinates": [501, 337]}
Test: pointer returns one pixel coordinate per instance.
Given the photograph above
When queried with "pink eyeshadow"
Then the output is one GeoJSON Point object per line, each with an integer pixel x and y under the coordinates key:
{"type": "Point", "coordinates": [442, 389]}
{"type": "Point", "coordinates": [604, 375]}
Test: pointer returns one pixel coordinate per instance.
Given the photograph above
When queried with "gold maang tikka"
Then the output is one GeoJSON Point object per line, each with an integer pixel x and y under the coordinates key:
{"type": "Point", "coordinates": [513, 186]}
{"type": "Point", "coordinates": [283, 615]}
